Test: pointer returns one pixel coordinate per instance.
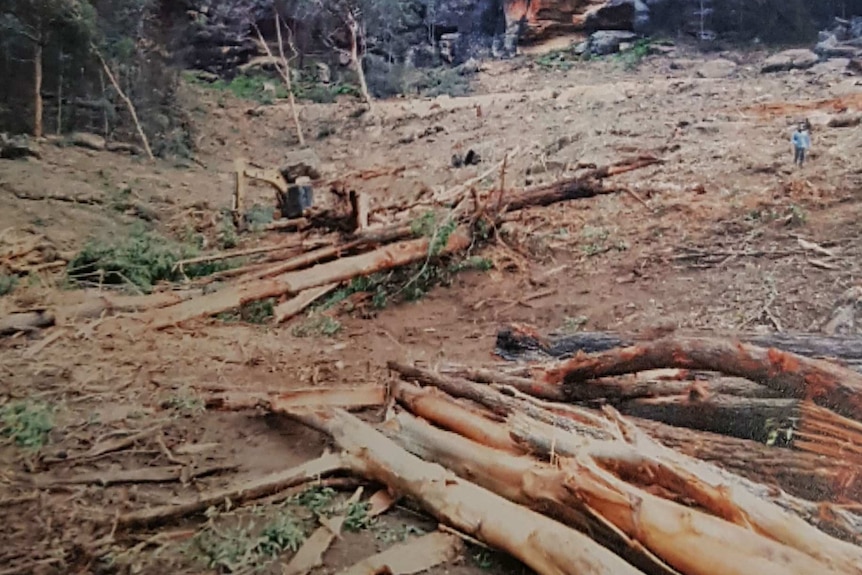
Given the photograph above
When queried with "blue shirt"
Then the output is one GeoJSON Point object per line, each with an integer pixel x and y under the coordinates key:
{"type": "Point", "coordinates": [801, 140]}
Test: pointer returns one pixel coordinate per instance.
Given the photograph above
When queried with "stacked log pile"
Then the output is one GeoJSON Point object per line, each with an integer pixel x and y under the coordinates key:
{"type": "Point", "coordinates": [519, 463]}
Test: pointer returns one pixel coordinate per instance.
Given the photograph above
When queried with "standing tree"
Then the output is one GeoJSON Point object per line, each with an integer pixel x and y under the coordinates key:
{"type": "Point", "coordinates": [37, 22]}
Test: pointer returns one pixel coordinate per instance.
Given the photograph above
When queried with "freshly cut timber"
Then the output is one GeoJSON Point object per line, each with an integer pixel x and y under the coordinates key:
{"type": "Point", "coordinates": [825, 383]}
{"type": "Point", "coordinates": [544, 545]}
{"type": "Point", "coordinates": [688, 540]}
{"type": "Point", "coordinates": [235, 296]}
{"type": "Point", "coordinates": [742, 417]}
{"type": "Point", "coordinates": [808, 475]}
{"type": "Point", "coordinates": [591, 426]}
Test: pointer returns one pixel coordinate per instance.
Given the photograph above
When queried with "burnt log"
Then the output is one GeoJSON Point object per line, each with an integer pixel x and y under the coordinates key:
{"type": "Point", "coordinates": [519, 343]}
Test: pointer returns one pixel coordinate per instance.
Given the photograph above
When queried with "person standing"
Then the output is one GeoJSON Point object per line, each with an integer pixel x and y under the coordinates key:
{"type": "Point", "coordinates": [801, 141]}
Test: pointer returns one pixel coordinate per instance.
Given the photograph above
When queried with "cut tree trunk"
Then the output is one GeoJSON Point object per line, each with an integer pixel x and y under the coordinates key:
{"type": "Point", "coordinates": [541, 543]}
{"type": "Point", "coordinates": [690, 541]}
{"type": "Point", "coordinates": [825, 383]}
{"type": "Point", "coordinates": [235, 296]}
{"type": "Point", "coordinates": [38, 114]}
{"type": "Point", "coordinates": [807, 475]}
{"type": "Point", "coordinates": [588, 424]}
{"type": "Point", "coordinates": [689, 480]}
{"type": "Point", "coordinates": [742, 417]}
{"type": "Point", "coordinates": [515, 342]}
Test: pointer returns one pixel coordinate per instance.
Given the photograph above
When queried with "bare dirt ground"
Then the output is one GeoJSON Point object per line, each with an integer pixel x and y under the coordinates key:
{"type": "Point", "coordinates": [715, 246]}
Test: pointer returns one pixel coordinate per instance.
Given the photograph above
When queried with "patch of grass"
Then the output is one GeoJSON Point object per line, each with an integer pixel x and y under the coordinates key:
{"type": "Point", "coordinates": [633, 57]}
{"type": "Point", "coordinates": [317, 499]}
{"type": "Point", "coordinates": [556, 60]}
{"type": "Point", "coordinates": [27, 423]}
{"type": "Point", "coordinates": [284, 533]}
{"type": "Point", "coordinates": [228, 551]}
{"type": "Point", "coordinates": [472, 263]}
{"type": "Point", "coordinates": [142, 258]}
{"type": "Point", "coordinates": [317, 325]}
{"type": "Point", "coordinates": [391, 535]}
{"type": "Point", "coordinates": [357, 518]}
{"type": "Point", "coordinates": [8, 283]}
{"type": "Point", "coordinates": [228, 238]}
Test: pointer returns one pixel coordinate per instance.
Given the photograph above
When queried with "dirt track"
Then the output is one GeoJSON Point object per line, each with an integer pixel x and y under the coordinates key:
{"type": "Point", "coordinates": [728, 193]}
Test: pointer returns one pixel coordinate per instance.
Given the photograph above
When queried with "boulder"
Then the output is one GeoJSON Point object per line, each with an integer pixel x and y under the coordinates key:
{"type": "Point", "coordinates": [606, 42]}
{"type": "Point", "coordinates": [719, 68]}
{"type": "Point", "coordinates": [18, 147]}
{"type": "Point", "coordinates": [796, 59]}
{"type": "Point", "coordinates": [299, 164]}
{"type": "Point", "coordinates": [612, 15]}
{"type": "Point", "coordinates": [831, 66]}
{"type": "Point", "coordinates": [87, 140]}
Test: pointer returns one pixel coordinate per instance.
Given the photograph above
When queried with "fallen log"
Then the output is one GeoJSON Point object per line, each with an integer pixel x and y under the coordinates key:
{"type": "Point", "coordinates": [144, 475]}
{"type": "Point", "coordinates": [516, 342]}
{"type": "Point", "coordinates": [582, 186]}
{"type": "Point", "coordinates": [688, 540]}
{"type": "Point", "coordinates": [297, 304]}
{"type": "Point", "coordinates": [544, 545]}
{"type": "Point", "coordinates": [234, 296]}
{"type": "Point", "coordinates": [826, 433]}
{"type": "Point", "coordinates": [416, 556]}
{"type": "Point", "coordinates": [742, 417]}
{"type": "Point", "coordinates": [588, 424]}
{"type": "Point", "coordinates": [615, 390]}
{"type": "Point", "coordinates": [825, 383]}
{"type": "Point", "coordinates": [807, 475]}
{"type": "Point", "coordinates": [358, 397]}
{"type": "Point", "coordinates": [27, 321]}
{"type": "Point", "coordinates": [239, 493]}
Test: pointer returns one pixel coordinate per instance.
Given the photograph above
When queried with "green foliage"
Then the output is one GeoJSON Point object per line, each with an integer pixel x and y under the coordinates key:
{"type": "Point", "coordinates": [633, 56]}
{"type": "Point", "coordinates": [472, 263]}
{"type": "Point", "coordinates": [141, 258]}
{"type": "Point", "coordinates": [284, 533]}
{"type": "Point", "coordinates": [573, 324]}
{"type": "Point", "coordinates": [8, 283]}
{"type": "Point", "coordinates": [242, 549]}
{"type": "Point", "coordinates": [27, 423]}
{"type": "Point", "coordinates": [391, 535]}
{"type": "Point", "coordinates": [429, 225]}
{"type": "Point", "coordinates": [317, 499]}
{"type": "Point", "coordinates": [556, 60]}
{"type": "Point", "coordinates": [259, 215]}
{"type": "Point", "coordinates": [228, 238]}
{"type": "Point", "coordinates": [357, 518]}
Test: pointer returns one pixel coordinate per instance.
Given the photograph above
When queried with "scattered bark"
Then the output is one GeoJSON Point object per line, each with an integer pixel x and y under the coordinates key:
{"type": "Point", "coordinates": [825, 383]}
{"type": "Point", "coordinates": [297, 304]}
{"type": "Point", "coordinates": [541, 543]}
{"type": "Point", "coordinates": [826, 433]}
{"type": "Point", "coordinates": [310, 555]}
{"type": "Point", "coordinates": [239, 493]}
{"type": "Point", "coordinates": [111, 445]}
{"type": "Point", "coordinates": [232, 297]}
{"type": "Point", "coordinates": [143, 475]}
{"type": "Point", "coordinates": [416, 556]}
